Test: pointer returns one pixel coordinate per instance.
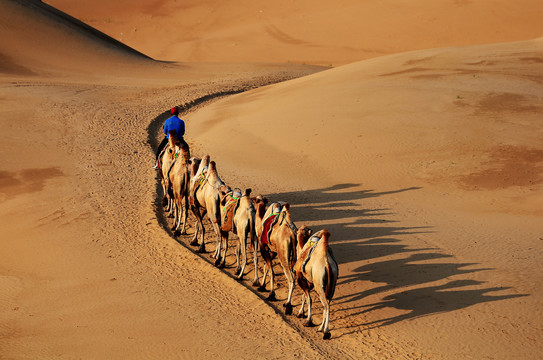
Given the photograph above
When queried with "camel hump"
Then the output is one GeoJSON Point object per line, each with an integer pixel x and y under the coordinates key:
{"type": "Point", "coordinates": [324, 238]}
{"type": "Point", "coordinates": [212, 168]}
{"type": "Point", "coordinates": [286, 206]}
{"type": "Point", "coordinates": [247, 192]}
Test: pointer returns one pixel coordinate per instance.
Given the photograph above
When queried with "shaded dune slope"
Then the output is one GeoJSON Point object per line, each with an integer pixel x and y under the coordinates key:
{"type": "Point", "coordinates": [37, 39]}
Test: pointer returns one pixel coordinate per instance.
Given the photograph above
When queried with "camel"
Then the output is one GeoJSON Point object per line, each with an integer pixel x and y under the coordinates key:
{"type": "Point", "coordinates": [206, 199]}
{"type": "Point", "coordinates": [278, 238]}
{"type": "Point", "coordinates": [316, 268]}
{"type": "Point", "coordinates": [259, 203]}
{"type": "Point", "coordinates": [198, 169]}
{"type": "Point", "coordinates": [238, 216]}
{"type": "Point", "coordinates": [166, 160]}
{"type": "Point", "coordinates": [194, 164]}
{"type": "Point", "coordinates": [179, 178]}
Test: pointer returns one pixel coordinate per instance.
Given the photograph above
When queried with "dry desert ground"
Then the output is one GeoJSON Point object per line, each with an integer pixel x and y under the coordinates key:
{"type": "Point", "coordinates": [412, 131]}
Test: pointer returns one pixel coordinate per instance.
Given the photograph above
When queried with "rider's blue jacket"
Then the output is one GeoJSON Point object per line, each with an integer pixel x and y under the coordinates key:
{"type": "Point", "coordinates": [174, 123]}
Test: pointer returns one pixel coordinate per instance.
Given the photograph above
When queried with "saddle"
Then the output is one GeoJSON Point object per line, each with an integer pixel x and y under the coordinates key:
{"type": "Point", "coordinates": [229, 209]}
{"type": "Point", "coordinates": [269, 222]}
{"type": "Point", "coordinates": [307, 251]}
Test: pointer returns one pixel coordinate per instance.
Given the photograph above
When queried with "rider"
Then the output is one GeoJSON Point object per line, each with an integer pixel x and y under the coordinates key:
{"type": "Point", "coordinates": [173, 123]}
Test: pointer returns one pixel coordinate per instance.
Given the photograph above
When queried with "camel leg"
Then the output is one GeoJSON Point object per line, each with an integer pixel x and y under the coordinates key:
{"type": "Point", "coordinates": [199, 227]}
{"type": "Point", "coordinates": [218, 245]}
{"type": "Point", "coordinates": [185, 209]}
{"type": "Point", "coordinates": [325, 312]}
{"type": "Point", "coordinates": [202, 248]}
{"type": "Point", "coordinates": [243, 245]}
{"type": "Point", "coordinates": [326, 329]}
{"type": "Point", "coordinates": [309, 321]}
{"type": "Point", "coordinates": [194, 240]}
{"type": "Point", "coordinates": [224, 237]}
{"type": "Point", "coordinates": [244, 260]}
{"type": "Point", "coordinates": [301, 311]}
{"type": "Point", "coordinates": [255, 259]}
{"type": "Point", "coordinates": [181, 218]}
{"type": "Point", "coordinates": [288, 304]}
{"type": "Point", "coordinates": [170, 207]}
{"type": "Point", "coordinates": [238, 255]}
{"type": "Point", "coordinates": [325, 320]}
{"type": "Point", "coordinates": [164, 196]}
{"type": "Point", "coordinates": [267, 260]}
{"type": "Point", "coordinates": [221, 260]}
{"type": "Point", "coordinates": [176, 217]}
{"type": "Point", "coordinates": [271, 295]}
{"type": "Point", "coordinates": [284, 260]}
{"type": "Point", "coordinates": [216, 227]}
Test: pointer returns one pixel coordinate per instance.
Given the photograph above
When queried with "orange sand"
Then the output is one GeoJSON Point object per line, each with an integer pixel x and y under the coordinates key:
{"type": "Point", "coordinates": [426, 167]}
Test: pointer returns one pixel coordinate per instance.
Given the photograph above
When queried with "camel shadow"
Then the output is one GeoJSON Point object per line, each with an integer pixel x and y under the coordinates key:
{"type": "Point", "coordinates": [432, 300]}
{"type": "Point", "coordinates": [392, 270]}
{"type": "Point", "coordinates": [345, 218]}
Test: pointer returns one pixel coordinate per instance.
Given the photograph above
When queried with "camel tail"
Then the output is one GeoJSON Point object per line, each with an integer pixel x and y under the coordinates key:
{"type": "Point", "coordinates": [293, 255]}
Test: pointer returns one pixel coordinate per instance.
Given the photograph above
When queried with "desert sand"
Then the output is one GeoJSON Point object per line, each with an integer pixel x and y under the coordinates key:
{"type": "Point", "coordinates": [422, 154]}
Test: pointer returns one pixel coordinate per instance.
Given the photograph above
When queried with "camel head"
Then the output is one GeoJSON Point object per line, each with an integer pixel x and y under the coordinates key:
{"type": "Point", "coordinates": [259, 199]}
{"type": "Point", "coordinates": [303, 235]}
{"type": "Point", "coordinates": [286, 219]}
{"type": "Point", "coordinates": [172, 139]}
{"type": "Point", "coordinates": [203, 164]}
{"type": "Point", "coordinates": [185, 154]}
{"type": "Point", "coordinates": [286, 213]}
{"type": "Point", "coordinates": [194, 164]}
{"type": "Point", "coordinates": [212, 167]}
{"type": "Point", "coordinates": [205, 160]}
{"type": "Point", "coordinates": [223, 191]}
{"type": "Point", "coordinates": [260, 203]}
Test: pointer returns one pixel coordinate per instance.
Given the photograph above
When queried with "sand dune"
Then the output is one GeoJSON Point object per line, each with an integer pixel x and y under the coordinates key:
{"type": "Point", "coordinates": [39, 39]}
{"type": "Point", "coordinates": [305, 31]}
{"type": "Point", "coordinates": [425, 166]}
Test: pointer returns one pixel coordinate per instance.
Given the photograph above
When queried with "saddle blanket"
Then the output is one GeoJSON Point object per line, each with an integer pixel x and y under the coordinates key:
{"type": "Point", "coordinates": [227, 214]}
{"type": "Point", "coordinates": [266, 228]}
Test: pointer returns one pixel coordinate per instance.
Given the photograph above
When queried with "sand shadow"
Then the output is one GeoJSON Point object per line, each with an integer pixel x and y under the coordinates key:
{"type": "Point", "coordinates": [346, 219]}
{"type": "Point", "coordinates": [433, 300]}
{"type": "Point", "coordinates": [405, 275]}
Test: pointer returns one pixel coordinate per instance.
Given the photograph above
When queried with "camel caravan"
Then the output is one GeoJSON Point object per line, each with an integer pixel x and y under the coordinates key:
{"type": "Point", "coordinates": [262, 229]}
